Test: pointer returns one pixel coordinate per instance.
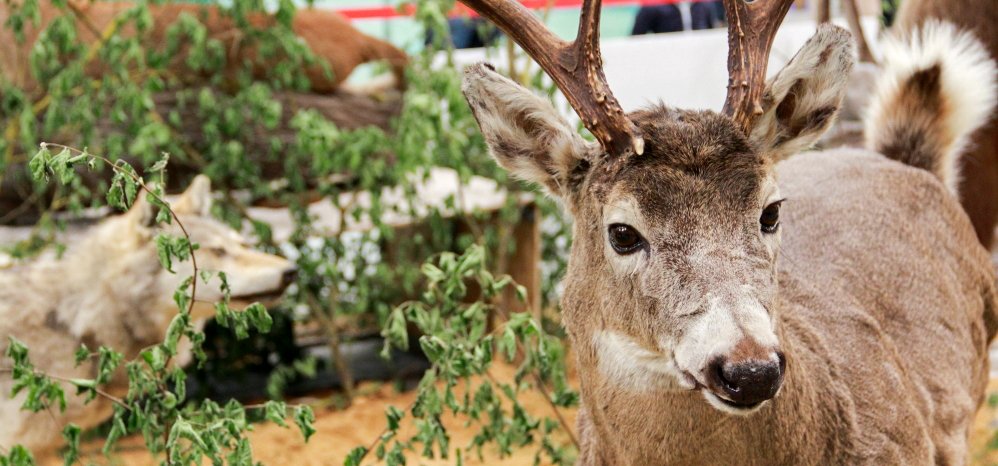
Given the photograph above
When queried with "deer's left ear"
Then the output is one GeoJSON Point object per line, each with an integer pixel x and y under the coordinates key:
{"type": "Point", "coordinates": [801, 101]}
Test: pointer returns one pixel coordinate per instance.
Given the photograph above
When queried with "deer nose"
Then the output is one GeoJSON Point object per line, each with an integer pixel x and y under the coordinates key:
{"type": "Point", "coordinates": [289, 276]}
{"type": "Point", "coordinates": [750, 382]}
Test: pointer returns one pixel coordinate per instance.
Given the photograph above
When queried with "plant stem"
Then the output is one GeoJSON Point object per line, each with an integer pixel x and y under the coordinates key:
{"type": "Point", "coordinates": [68, 381]}
{"type": "Point", "coordinates": [138, 180]}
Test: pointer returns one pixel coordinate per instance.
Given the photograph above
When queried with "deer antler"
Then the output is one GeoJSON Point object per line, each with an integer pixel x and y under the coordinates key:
{"type": "Point", "coordinates": [752, 27]}
{"type": "Point", "coordinates": [576, 68]}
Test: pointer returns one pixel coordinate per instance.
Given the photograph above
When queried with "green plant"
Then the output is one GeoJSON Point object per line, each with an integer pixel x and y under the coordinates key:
{"type": "Point", "coordinates": [456, 339]}
{"type": "Point", "coordinates": [155, 405]}
{"type": "Point", "coordinates": [138, 110]}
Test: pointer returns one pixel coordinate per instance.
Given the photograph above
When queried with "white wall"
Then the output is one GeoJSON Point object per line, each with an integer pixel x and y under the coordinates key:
{"type": "Point", "coordinates": [686, 69]}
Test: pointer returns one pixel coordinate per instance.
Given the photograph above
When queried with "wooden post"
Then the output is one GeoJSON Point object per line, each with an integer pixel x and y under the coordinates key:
{"type": "Point", "coordinates": [823, 11]}
{"type": "Point", "coordinates": [525, 262]}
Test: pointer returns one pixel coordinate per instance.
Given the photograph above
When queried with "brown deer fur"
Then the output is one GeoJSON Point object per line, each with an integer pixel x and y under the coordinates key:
{"type": "Point", "coordinates": [327, 33]}
{"type": "Point", "coordinates": [879, 296]}
{"type": "Point", "coordinates": [979, 187]}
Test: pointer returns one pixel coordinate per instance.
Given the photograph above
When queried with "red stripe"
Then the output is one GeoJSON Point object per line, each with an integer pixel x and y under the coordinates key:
{"type": "Point", "coordinates": [461, 10]}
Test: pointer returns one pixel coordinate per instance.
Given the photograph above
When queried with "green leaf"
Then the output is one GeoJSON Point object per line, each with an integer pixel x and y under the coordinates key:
{"type": "Point", "coordinates": [19, 456]}
{"type": "Point", "coordinates": [434, 347]}
{"type": "Point", "coordinates": [521, 293]}
{"type": "Point", "coordinates": [433, 273]}
{"type": "Point", "coordinates": [117, 431]}
{"type": "Point", "coordinates": [507, 343]}
{"type": "Point", "coordinates": [242, 455]}
{"type": "Point", "coordinates": [81, 354]}
{"type": "Point", "coordinates": [61, 166]}
{"type": "Point", "coordinates": [84, 383]}
{"type": "Point", "coordinates": [395, 331]}
{"type": "Point", "coordinates": [164, 250]}
{"type": "Point", "coordinates": [108, 361]}
{"type": "Point", "coordinates": [304, 417]}
{"type": "Point", "coordinates": [71, 433]}
{"type": "Point", "coordinates": [38, 163]}
{"type": "Point", "coordinates": [17, 351]}
{"type": "Point", "coordinates": [275, 411]}
{"type": "Point", "coordinates": [394, 416]}
{"type": "Point", "coordinates": [160, 164]}
{"type": "Point", "coordinates": [182, 429]}
{"type": "Point", "coordinates": [355, 456]}
{"type": "Point", "coordinates": [176, 329]}
{"type": "Point", "coordinates": [155, 358]}
{"type": "Point", "coordinates": [259, 317]}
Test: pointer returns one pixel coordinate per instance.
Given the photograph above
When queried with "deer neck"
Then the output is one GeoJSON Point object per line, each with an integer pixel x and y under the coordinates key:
{"type": "Point", "coordinates": [680, 427]}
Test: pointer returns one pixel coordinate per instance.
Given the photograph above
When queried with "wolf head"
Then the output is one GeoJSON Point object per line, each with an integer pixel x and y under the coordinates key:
{"type": "Point", "coordinates": [251, 275]}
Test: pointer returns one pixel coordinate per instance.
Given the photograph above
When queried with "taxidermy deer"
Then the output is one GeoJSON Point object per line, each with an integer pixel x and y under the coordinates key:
{"type": "Point", "coordinates": [702, 336]}
{"type": "Point", "coordinates": [330, 36]}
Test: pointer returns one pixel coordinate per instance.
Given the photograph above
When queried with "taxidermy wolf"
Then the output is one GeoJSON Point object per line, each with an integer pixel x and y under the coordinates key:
{"type": "Point", "coordinates": [109, 289]}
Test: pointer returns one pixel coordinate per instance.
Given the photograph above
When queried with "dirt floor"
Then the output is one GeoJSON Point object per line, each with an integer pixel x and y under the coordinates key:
{"type": "Point", "coordinates": [340, 431]}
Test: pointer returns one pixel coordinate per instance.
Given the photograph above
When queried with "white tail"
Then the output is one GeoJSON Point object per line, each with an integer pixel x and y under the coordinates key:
{"type": "Point", "coordinates": [937, 87]}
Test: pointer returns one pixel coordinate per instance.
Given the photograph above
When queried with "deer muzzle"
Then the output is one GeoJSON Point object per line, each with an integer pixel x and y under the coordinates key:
{"type": "Point", "coordinates": [746, 377]}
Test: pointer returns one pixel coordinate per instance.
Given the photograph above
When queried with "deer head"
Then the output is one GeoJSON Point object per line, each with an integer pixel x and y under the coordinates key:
{"type": "Point", "coordinates": [672, 280]}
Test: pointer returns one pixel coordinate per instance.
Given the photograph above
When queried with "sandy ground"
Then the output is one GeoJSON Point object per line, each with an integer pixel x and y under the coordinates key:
{"type": "Point", "coordinates": [340, 431]}
{"type": "Point", "coordinates": [985, 426]}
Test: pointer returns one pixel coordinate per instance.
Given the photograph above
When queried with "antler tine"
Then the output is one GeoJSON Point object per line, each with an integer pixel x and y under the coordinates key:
{"type": "Point", "coordinates": [752, 27]}
{"type": "Point", "coordinates": [576, 68]}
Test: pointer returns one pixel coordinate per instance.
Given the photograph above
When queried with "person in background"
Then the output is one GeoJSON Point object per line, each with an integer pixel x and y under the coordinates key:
{"type": "Point", "coordinates": [657, 18]}
{"type": "Point", "coordinates": [654, 19]}
{"type": "Point", "coordinates": [706, 14]}
{"type": "Point", "coordinates": [467, 33]}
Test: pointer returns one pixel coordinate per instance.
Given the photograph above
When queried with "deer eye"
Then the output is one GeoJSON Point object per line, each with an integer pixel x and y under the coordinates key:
{"type": "Point", "coordinates": [769, 221]}
{"type": "Point", "coordinates": [625, 239]}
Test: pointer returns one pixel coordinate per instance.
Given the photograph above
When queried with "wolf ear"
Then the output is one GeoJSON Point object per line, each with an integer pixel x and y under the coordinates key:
{"type": "Point", "coordinates": [197, 199]}
{"type": "Point", "coordinates": [524, 132]}
{"type": "Point", "coordinates": [801, 101]}
{"type": "Point", "coordinates": [142, 212]}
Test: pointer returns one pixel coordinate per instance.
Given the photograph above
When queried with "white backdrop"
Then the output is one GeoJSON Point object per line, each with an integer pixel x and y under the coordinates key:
{"type": "Point", "coordinates": [683, 69]}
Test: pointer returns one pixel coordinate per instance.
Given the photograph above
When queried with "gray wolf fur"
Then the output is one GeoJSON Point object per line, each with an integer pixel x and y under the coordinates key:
{"type": "Point", "coordinates": [109, 289]}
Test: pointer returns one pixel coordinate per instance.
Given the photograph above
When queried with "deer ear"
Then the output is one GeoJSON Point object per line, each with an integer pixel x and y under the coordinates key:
{"type": "Point", "coordinates": [801, 101]}
{"type": "Point", "coordinates": [524, 132]}
{"type": "Point", "coordinates": [196, 200]}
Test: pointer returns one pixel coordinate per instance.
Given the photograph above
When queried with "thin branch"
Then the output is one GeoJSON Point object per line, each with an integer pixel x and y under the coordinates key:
{"type": "Point", "coordinates": [557, 412]}
{"type": "Point", "coordinates": [539, 382]}
{"type": "Point", "coordinates": [138, 180]}
{"type": "Point", "coordinates": [287, 406]}
{"type": "Point", "coordinates": [540, 386]}
{"type": "Point", "coordinates": [374, 443]}
{"type": "Point", "coordinates": [334, 342]}
{"type": "Point", "coordinates": [68, 381]}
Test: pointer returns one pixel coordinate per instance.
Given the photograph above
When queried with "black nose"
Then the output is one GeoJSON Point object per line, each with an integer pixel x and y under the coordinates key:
{"type": "Point", "coordinates": [748, 383]}
{"type": "Point", "coordinates": [289, 276]}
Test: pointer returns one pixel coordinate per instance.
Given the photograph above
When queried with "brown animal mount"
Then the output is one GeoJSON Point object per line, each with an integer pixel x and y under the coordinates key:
{"type": "Point", "coordinates": [328, 34]}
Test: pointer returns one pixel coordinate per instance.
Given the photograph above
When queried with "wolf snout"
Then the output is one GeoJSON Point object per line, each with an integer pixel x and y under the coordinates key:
{"type": "Point", "coordinates": [748, 382]}
{"type": "Point", "coordinates": [289, 276]}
